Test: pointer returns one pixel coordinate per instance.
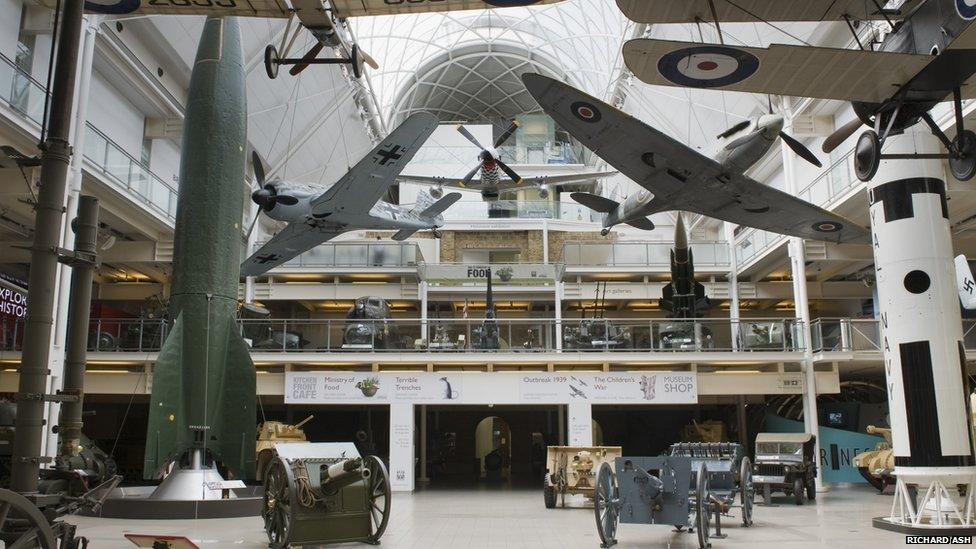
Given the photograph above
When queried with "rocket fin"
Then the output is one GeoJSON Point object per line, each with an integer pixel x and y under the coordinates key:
{"type": "Point", "coordinates": [965, 283]}
{"type": "Point", "coordinates": [221, 415]}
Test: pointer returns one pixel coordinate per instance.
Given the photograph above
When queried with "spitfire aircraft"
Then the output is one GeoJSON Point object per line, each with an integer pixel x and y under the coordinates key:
{"type": "Point", "coordinates": [323, 18]}
{"type": "Point", "coordinates": [491, 183]}
{"type": "Point", "coordinates": [676, 177]}
{"type": "Point", "coordinates": [317, 214]}
{"type": "Point", "coordinates": [928, 56]}
{"type": "Point", "coordinates": [738, 154]}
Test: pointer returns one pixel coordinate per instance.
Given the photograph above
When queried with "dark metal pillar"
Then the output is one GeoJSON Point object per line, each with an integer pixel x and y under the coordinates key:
{"type": "Point", "coordinates": [49, 211]}
{"type": "Point", "coordinates": [79, 309]}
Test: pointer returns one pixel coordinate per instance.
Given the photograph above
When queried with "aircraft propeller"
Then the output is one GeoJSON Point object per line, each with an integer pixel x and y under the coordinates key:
{"type": "Point", "coordinates": [840, 135]}
{"type": "Point", "coordinates": [488, 156]}
{"type": "Point", "coordinates": [799, 148]}
{"type": "Point", "coordinates": [266, 195]}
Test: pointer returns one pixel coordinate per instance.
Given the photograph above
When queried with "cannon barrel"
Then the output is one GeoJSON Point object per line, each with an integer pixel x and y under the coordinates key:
{"type": "Point", "coordinates": [342, 474]}
{"type": "Point", "coordinates": [650, 485]}
{"type": "Point", "coordinates": [304, 421]}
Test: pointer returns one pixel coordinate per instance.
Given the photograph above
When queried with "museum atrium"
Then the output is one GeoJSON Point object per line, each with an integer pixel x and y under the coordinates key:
{"type": "Point", "coordinates": [468, 296]}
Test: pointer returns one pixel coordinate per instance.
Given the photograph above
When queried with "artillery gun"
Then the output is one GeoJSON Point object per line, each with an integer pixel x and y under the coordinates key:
{"type": "Point", "coordinates": [572, 470]}
{"type": "Point", "coordinates": [272, 433]}
{"type": "Point", "coordinates": [877, 466]}
{"type": "Point", "coordinates": [325, 492]}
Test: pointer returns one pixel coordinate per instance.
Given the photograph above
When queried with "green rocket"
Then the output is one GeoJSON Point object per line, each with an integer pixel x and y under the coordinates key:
{"type": "Point", "coordinates": [203, 386]}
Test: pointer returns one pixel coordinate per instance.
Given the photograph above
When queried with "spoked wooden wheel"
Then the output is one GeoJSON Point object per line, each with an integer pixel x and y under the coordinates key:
{"type": "Point", "coordinates": [278, 510]}
{"type": "Point", "coordinates": [747, 491]}
{"type": "Point", "coordinates": [702, 508]}
{"type": "Point", "coordinates": [606, 505]}
{"type": "Point", "coordinates": [22, 524]}
{"type": "Point", "coordinates": [378, 499]}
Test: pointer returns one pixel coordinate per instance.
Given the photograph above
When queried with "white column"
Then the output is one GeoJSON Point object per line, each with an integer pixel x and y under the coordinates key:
{"type": "Point", "coordinates": [798, 268]}
{"type": "Point", "coordinates": [733, 285]}
{"type": "Point", "coordinates": [49, 444]}
{"type": "Point", "coordinates": [423, 310]}
{"type": "Point", "coordinates": [580, 424]}
{"type": "Point", "coordinates": [401, 447]}
{"type": "Point", "coordinates": [921, 327]}
{"type": "Point", "coordinates": [560, 288]}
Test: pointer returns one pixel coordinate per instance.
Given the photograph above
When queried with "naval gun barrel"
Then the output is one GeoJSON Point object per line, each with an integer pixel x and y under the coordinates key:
{"type": "Point", "coordinates": [341, 474]}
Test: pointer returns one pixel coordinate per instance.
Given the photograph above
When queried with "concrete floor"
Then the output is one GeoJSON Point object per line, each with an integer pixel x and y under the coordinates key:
{"type": "Point", "coordinates": [516, 518]}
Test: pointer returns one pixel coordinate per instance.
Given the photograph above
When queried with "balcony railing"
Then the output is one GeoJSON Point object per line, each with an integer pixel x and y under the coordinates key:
{"type": "Point", "coordinates": [460, 335]}
{"type": "Point", "coordinates": [130, 173]}
{"type": "Point", "coordinates": [845, 334]}
{"type": "Point", "coordinates": [26, 96]}
{"type": "Point", "coordinates": [518, 209]}
{"type": "Point", "coordinates": [548, 153]}
{"type": "Point", "coordinates": [502, 274]}
{"type": "Point", "coordinates": [641, 254]}
{"type": "Point", "coordinates": [357, 254]}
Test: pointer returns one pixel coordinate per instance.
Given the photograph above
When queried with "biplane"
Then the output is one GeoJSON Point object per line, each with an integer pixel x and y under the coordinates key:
{"type": "Point", "coordinates": [926, 56]}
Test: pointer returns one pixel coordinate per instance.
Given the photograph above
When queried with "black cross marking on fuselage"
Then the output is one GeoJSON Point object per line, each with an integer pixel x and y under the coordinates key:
{"type": "Point", "coordinates": [267, 258]}
{"type": "Point", "coordinates": [390, 155]}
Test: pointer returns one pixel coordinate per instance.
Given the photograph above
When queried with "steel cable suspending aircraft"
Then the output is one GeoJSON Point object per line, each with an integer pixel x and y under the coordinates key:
{"type": "Point", "coordinates": [319, 213]}
{"type": "Point", "coordinates": [676, 177]}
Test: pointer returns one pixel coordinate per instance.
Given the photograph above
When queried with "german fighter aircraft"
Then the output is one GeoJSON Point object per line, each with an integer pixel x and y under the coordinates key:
{"type": "Point", "coordinates": [317, 214]}
{"type": "Point", "coordinates": [491, 183]}
{"type": "Point", "coordinates": [929, 55]}
{"type": "Point", "coordinates": [323, 18]}
{"type": "Point", "coordinates": [677, 177]}
{"type": "Point", "coordinates": [965, 283]}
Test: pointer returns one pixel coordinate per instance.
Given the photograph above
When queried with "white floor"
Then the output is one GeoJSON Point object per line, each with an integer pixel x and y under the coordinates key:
{"type": "Point", "coordinates": [503, 518]}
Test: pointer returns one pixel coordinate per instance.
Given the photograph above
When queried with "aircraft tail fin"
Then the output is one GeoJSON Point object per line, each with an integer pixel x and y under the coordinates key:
{"type": "Point", "coordinates": [437, 208]}
{"type": "Point", "coordinates": [965, 283]}
{"type": "Point", "coordinates": [403, 234]}
{"type": "Point", "coordinates": [643, 223]}
{"type": "Point", "coordinates": [595, 202]}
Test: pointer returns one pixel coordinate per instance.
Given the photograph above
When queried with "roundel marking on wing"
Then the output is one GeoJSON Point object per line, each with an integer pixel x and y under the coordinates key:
{"type": "Point", "coordinates": [586, 112]}
{"type": "Point", "coordinates": [707, 66]}
{"type": "Point", "coordinates": [827, 226]}
{"type": "Point", "coordinates": [112, 7]}
{"type": "Point", "coordinates": [966, 9]}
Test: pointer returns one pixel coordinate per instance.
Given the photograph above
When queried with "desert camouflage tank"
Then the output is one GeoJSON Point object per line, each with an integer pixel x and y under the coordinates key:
{"type": "Point", "coordinates": [877, 466]}
{"type": "Point", "coordinates": [707, 431]}
{"type": "Point", "coordinates": [271, 433]}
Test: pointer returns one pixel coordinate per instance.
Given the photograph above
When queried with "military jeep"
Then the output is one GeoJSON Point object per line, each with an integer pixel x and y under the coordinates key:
{"type": "Point", "coordinates": [785, 462]}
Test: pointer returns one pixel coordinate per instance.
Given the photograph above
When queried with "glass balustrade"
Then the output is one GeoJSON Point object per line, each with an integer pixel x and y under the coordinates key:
{"type": "Point", "coordinates": [850, 335]}
{"type": "Point", "coordinates": [556, 153]}
{"type": "Point", "coordinates": [357, 254]}
{"type": "Point", "coordinates": [642, 254]}
{"type": "Point", "coordinates": [26, 96]}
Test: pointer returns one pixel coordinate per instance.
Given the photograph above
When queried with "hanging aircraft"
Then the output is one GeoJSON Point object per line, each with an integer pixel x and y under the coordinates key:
{"type": "Point", "coordinates": [490, 165]}
{"type": "Point", "coordinates": [928, 56]}
{"type": "Point", "coordinates": [739, 154]}
{"type": "Point", "coordinates": [317, 214]}
{"type": "Point", "coordinates": [679, 178]}
{"type": "Point", "coordinates": [965, 284]}
{"type": "Point", "coordinates": [322, 18]}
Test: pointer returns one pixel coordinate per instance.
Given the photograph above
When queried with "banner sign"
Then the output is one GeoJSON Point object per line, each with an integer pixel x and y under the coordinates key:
{"type": "Point", "coordinates": [490, 388]}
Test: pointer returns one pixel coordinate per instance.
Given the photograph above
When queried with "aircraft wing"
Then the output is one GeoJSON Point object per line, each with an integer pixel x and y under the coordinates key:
{"type": "Point", "coordinates": [679, 177]}
{"type": "Point", "coordinates": [506, 184]}
{"type": "Point", "coordinates": [780, 69]}
{"type": "Point", "coordinates": [241, 8]}
{"type": "Point", "coordinates": [295, 239]}
{"type": "Point", "coordinates": [359, 8]}
{"type": "Point", "coordinates": [363, 185]}
{"type": "Point", "coordinates": [755, 11]}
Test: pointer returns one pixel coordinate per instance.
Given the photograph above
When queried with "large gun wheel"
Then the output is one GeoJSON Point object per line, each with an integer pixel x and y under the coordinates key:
{"type": "Point", "coordinates": [379, 498]}
{"type": "Point", "coordinates": [703, 507]}
{"type": "Point", "coordinates": [606, 505]}
{"type": "Point", "coordinates": [747, 492]}
{"type": "Point", "coordinates": [279, 504]}
{"type": "Point", "coordinates": [22, 524]}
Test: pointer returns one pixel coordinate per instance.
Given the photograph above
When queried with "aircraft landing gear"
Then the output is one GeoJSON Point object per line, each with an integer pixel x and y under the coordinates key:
{"type": "Point", "coordinates": [867, 155]}
{"type": "Point", "coordinates": [605, 231]}
{"type": "Point", "coordinates": [436, 233]}
{"type": "Point", "coordinates": [272, 60]}
{"type": "Point", "coordinates": [962, 163]}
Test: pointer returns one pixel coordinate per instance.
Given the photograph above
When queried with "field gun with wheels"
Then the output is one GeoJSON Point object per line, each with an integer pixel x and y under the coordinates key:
{"type": "Point", "coordinates": [324, 492]}
{"type": "Point", "coordinates": [654, 490]}
{"type": "Point", "coordinates": [572, 470]}
{"type": "Point", "coordinates": [729, 474]}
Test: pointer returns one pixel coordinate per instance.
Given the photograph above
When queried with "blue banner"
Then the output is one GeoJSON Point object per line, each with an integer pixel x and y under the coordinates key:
{"type": "Point", "coordinates": [837, 448]}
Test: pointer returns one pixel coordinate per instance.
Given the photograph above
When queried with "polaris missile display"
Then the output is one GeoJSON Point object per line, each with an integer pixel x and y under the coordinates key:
{"type": "Point", "coordinates": [204, 382]}
{"type": "Point", "coordinates": [680, 178]}
{"type": "Point", "coordinates": [317, 213]}
{"type": "Point", "coordinates": [926, 56]}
